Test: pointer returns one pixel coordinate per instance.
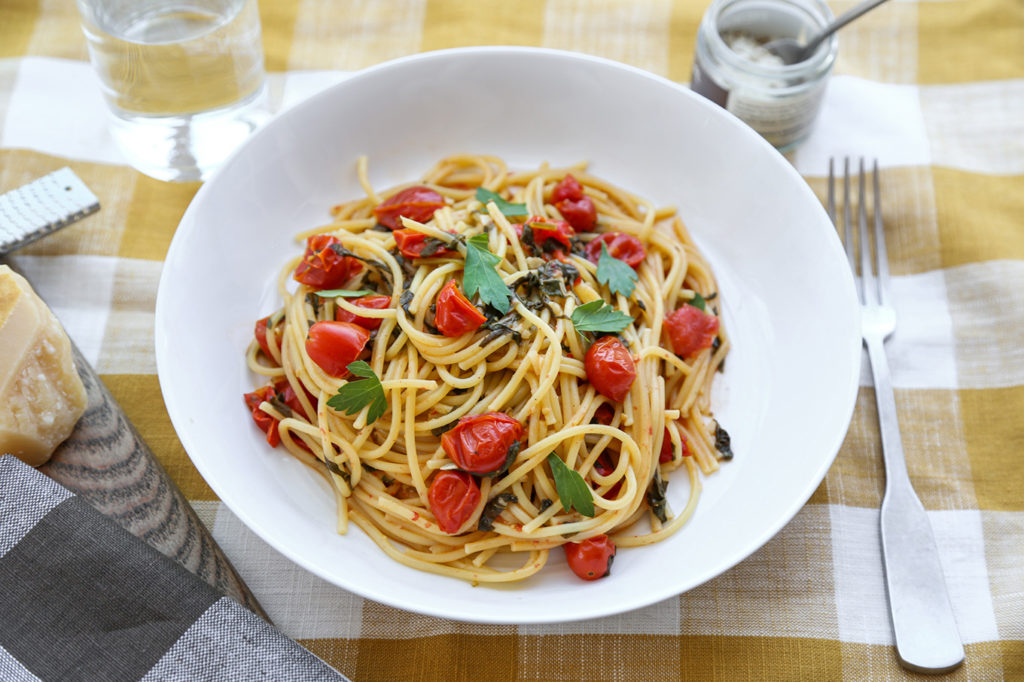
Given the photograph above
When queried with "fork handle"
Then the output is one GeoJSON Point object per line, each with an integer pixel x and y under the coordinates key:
{"type": "Point", "coordinates": [927, 639]}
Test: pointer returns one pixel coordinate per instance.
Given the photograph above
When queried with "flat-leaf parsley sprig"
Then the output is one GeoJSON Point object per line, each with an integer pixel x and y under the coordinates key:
{"type": "Point", "coordinates": [572, 490]}
{"type": "Point", "coordinates": [620, 277]}
{"type": "Point", "coordinates": [355, 395]}
{"type": "Point", "coordinates": [481, 274]}
{"type": "Point", "coordinates": [509, 209]}
{"type": "Point", "coordinates": [598, 316]}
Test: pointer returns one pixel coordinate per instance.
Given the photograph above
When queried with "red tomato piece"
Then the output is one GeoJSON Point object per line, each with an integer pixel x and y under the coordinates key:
{"type": "Point", "coordinates": [568, 188]}
{"type": "Point", "coordinates": [333, 345]}
{"type": "Point", "coordinates": [282, 391]}
{"type": "Point", "coordinates": [592, 558]}
{"type": "Point", "coordinates": [453, 497]}
{"type": "Point", "coordinates": [411, 244]}
{"type": "Point", "coordinates": [580, 213]}
{"type": "Point", "coordinates": [604, 414]}
{"type": "Point", "coordinates": [555, 231]}
{"type": "Point", "coordinates": [416, 203]}
{"type": "Point", "coordinates": [261, 337]}
{"type": "Point", "coordinates": [286, 394]}
{"type": "Point", "coordinates": [454, 314]}
{"type": "Point", "coordinates": [576, 207]}
{"type": "Point", "coordinates": [322, 267]}
{"type": "Point", "coordinates": [610, 368]}
{"type": "Point", "coordinates": [254, 398]}
{"type": "Point", "coordinates": [264, 421]}
{"type": "Point", "coordinates": [690, 329]}
{"type": "Point", "coordinates": [269, 426]}
{"type": "Point", "coordinates": [371, 302]}
{"type": "Point", "coordinates": [625, 247]}
{"type": "Point", "coordinates": [604, 466]}
{"type": "Point", "coordinates": [666, 448]}
{"type": "Point", "coordinates": [481, 443]}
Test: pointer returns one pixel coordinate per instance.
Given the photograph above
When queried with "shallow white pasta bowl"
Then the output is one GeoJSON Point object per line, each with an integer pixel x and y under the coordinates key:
{"type": "Point", "coordinates": [789, 384]}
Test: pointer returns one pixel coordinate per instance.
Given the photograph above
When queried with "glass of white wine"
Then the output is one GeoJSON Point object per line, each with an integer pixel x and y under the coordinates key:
{"type": "Point", "coordinates": [184, 79]}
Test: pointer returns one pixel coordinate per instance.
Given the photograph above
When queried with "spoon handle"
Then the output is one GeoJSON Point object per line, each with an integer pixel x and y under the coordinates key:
{"type": "Point", "coordinates": [841, 21]}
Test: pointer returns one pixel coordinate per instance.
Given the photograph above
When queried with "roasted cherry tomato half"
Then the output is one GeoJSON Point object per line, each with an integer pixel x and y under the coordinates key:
{"type": "Point", "coordinates": [261, 337]}
{"type": "Point", "coordinates": [333, 345]}
{"type": "Point", "coordinates": [283, 392]}
{"type": "Point", "coordinates": [264, 421]}
{"type": "Point", "coordinates": [411, 244]}
{"type": "Point", "coordinates": [416, 203]}
{"type": "Point", "coordinates": [592, 558]}
{"type": "Point", "coordinates": [690, 329]}
{"type": "Point", "coordinates": [322, 267]}
{"type": "Point", "coordinates": [666, 448]}
{"type": "Point", "coordinates": [550, 235]}
{"type": "Point", "coordinates": [604, 414]}
{"type": "Point", "coordinates": [254, 398]}
{"type": "Point", "coordinates": [286, 394]}
{"type": "Point", "coordinates": [454, 314]}
{"type": "Point", "coordinates": [453, 497]}
{"type": "Point", "coordinates": [482, 443]}
{"type": "Point", "coordinates": [610, 368]}
{"type": "Point", "coordinates": [625, 247]}
{"type": "Point", "coordinates": [371, 302]}
{"type": "Point", "coordinates": [576, 207]}
{"type": "Point", "coordinates": [604, 466]}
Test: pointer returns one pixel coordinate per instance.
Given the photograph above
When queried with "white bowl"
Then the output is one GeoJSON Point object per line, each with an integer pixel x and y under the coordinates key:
{"type": "Point", "coordinates": [786, 395]}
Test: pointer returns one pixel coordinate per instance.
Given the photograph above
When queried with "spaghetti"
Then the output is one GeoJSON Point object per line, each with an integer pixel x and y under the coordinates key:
{"type": "Point", "coordinates": [487, 365]}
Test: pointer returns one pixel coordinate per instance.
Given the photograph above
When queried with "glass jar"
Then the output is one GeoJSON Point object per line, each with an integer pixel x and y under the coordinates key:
{"type": "Point", "coordinates": [732, 68]}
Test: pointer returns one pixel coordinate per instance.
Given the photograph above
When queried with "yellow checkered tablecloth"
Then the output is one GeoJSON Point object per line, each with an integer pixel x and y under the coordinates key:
{"type": "Point", "coordinates": [933, 88]}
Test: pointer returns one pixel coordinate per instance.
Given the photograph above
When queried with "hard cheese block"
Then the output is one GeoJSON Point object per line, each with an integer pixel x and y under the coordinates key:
{"type": "Point", "coordinates": [41, 395]}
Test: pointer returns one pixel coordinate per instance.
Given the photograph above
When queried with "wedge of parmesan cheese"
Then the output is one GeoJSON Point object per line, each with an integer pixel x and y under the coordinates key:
{"type": "Point", "coordinates": [41, 394]}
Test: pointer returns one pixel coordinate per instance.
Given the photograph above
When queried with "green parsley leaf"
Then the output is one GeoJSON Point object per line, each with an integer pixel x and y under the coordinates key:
{"type": "Point", "coordinates": [343, 293]}
{"type": "Point", "coordinates": [355, 395]}
{"type": "Point", "coordinates": [698, 302]}
{"type": "Point", "coordinates": [481, 275]}
{"type": "Point", "coordinates": [572, 490]}
{"type": "Point", "coordinates": [620, 277]}
{"type": "Point", "coordinates": [598, 316]}
{"type": "Point", "coordinates": [484, 196]}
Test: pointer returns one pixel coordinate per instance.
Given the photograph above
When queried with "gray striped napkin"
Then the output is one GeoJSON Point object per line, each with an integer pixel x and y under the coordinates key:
{"type": "Point", "coordinates": [83, 599]}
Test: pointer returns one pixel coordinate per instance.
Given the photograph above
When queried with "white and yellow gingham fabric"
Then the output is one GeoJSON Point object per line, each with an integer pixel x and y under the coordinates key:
{"type": "Point", "coordinates": [932, 88]}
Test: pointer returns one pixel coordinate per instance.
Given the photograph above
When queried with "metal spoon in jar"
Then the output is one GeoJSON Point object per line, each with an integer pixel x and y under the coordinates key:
{"type": "Point", "coordinates": [792, 52]}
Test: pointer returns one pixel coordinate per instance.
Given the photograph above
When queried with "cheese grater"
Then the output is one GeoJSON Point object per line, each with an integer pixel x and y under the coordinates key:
{"type": "Point", "coordinates": [43, 206]}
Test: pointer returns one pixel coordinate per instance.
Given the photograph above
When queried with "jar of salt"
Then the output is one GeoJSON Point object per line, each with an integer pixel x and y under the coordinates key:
{"type": "Point", "coordinates": [732, 67]}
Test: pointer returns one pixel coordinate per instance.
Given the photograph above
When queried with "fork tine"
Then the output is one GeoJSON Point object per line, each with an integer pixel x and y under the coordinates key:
{"type": "Point", "coordinates": [867, 271]}
{"type": "Point", "coordinates": [831, 207]}
{"type": "Point", "coordinates": [881, 254]}
{"type": "Point", "coordinates": [847, 219]}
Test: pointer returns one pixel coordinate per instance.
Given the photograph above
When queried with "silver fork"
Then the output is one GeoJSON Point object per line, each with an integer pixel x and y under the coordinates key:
{"type": "Point", "coordinates": [922, 617]}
